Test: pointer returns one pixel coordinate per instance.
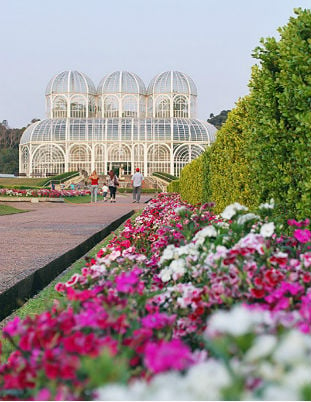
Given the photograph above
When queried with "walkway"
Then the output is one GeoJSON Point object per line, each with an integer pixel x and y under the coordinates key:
{"type": "Point", "coordinates": [30, 240]}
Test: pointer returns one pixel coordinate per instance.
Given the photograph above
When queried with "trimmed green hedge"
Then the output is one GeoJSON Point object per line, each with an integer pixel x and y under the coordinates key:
{"type": "Point", "coordinates": [165, 176]}
{"type": "Point", "coordinates": [227, 176]}
{"type": "Point", "coordinates": [191, 181]}
{"type": "Point", "coordinates": [60, 177]}
{"type": "Point", "coordinates": [173, 187]}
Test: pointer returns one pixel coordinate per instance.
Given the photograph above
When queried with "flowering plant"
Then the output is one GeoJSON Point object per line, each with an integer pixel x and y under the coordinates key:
{"type": "Point", "coordinates": [150, 301]}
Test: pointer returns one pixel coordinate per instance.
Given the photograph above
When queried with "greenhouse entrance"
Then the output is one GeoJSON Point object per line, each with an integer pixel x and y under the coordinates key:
{"type": "Point", "coordinates": [125, 168]}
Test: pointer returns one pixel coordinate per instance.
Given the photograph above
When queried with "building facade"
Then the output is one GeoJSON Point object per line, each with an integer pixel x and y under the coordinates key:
{"type": "Point", "coordinates": [119, 124]}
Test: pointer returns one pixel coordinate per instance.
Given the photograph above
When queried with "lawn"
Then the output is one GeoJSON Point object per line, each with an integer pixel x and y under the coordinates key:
{"type": "Point", "coordinates": [8, 210]}
{"type": "Point", "coordinates": [9, 182]}
{"type": "Point", "coordinates": [80, 199]}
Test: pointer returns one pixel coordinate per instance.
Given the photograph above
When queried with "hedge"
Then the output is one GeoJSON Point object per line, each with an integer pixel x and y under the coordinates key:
{"type": "Point", "coordinates": [227, 176]}
{"type": "Point", "coordinates": [173, 187]}
{"type": "Point", "coordinates": [191, 181]}
{"type": "Point", "coordinates": [165, 176]}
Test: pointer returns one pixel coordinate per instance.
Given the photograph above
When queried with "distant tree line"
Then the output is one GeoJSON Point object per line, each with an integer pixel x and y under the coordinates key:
{"type": "Point", "coordinates": [9, 142]}
{"type": "Point", "coordinates": [219, 119]}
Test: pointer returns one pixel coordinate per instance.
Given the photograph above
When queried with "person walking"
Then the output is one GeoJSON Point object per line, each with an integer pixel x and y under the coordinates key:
{"type": "Point", "coordinates": [94, 186]}
{"type": "Point", "coordinates": [137, 181]}
{"type": "Point", "coordinates": [113, 182]}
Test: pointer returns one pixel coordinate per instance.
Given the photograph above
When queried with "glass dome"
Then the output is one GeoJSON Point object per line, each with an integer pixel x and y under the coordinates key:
{"type": "Point", "coordinates": [121, 82]}
{"type": "Point", "coordinates": [172, 82]}
{"type": "Point", "coordinates": [124, 130]}
{"type": "Point", "coordinates": [70, 82]}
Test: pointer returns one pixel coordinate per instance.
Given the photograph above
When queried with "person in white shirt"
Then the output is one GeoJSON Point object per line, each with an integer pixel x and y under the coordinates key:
{"type": "Point", "coordinates": [105, 191]}
{"type": "Point", "coordinates": [137, 181]}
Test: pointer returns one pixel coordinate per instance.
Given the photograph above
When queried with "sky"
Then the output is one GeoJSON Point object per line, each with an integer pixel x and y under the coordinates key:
{"type": "Point", "coordinates": [210, 40]}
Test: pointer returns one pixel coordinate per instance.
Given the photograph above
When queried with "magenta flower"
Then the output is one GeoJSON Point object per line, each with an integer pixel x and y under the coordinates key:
{"type": "Point", "coordinates": [302, 235]}
{"type": "Point", "coordinates": [163, 356]}
{"type": "Point", "coordinates": [158, 320]}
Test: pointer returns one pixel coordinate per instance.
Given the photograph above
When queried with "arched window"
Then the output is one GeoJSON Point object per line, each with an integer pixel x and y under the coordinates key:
{"type": "Point", "coordinates": [99, 158]}
{"type": "Point", "coordinates": [80, 158]}
{"type": "Point", "coordinates": [180, 107]}
{"type": "Point", "coordinates": [158, 159]}
{"type": "Point", "coordinates": [110, 107]}
{"type": "Point", "coordinates": [92, 107]}
{"type": "Point", "coordinates": [59, 108]}
{"type": "Point", "coordinates": [162, 108]}
{"type": "Point", "coordinates": [78, 107]}
{"type": "Point", "coordinates": [184, 154]}
{"type": "Point", "coordinates": [119, 156]}
{"type": "Point", "coordinates": [129, 106]}
{"type": "Point", "coordinates": [25, 160]}
{"type": "Point", "coordinates": [138, 157]}
{"type": "Point", "coordinates": [48, 159]}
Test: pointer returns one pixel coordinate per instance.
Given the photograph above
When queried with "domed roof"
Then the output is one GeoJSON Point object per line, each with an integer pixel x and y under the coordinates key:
{"type": "Point", "coordinates": [172, 82]}
{"type": "Point", "coordinates": [72, 82]}
{"type": "Point", "coordinates": [60, 130]}
{"type": "Point", "coordinates": [121, 82]}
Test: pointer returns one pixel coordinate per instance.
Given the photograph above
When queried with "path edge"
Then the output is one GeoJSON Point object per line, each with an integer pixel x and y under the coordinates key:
{"type": "Point", "coordinates": [14, 297]}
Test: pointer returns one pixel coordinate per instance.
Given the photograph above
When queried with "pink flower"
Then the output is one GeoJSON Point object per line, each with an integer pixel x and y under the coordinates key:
{"type": "Point", "coordinates": [163, 356]}
{"type": "Point", "coordinates": [13, 327]}
{"type": "Point", "coordinates": [158, 320]}
{"type": "Point", "coordinates": [302, 235]}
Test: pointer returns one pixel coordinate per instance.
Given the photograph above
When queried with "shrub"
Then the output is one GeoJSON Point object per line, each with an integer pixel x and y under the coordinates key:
{"type": "Point", "coordinates": [227, 177]}
{"type": "Point", "coordinates": [191, 181]}
{"type": "Point", "coordinates": [164, 176]}
{"type": "Point", "coordinates": [281, 118]}
{"type": "Point", "coordinates": [173, 187]}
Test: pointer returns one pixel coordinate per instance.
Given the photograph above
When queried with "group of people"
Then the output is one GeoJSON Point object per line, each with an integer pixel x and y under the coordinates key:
{"type": "Point", "coordinates": [111, 185]}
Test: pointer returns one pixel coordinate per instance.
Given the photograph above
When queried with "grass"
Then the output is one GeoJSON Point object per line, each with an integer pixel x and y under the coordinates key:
{"type": "Point", "coordinates": [8, 210]}
{"type": "Point", "coordinates": [79, 199]}
{"type": "Point", "coordinates": [8, 182]}
{"type": "Point", "coordinates": [44, 299]}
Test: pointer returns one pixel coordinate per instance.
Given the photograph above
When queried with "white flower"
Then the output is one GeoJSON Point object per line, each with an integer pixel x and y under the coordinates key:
{"type": "Point", "coordinates": [299, 376]}
{"type": "Point", "coordinates": [177, 268]}
{"type": "Point", "coordinates": [247, 217]}
{"type": "Point", "coordinates": [238, 321]}
{"type": "Point", "coordinates": [208, 231]}
{"type": "Point", "coordinates": [267, 205]}
{"type": "Point", "coordinates": [262, 347]}
{"type": "Point", "coordinates": [267, 229]}
{"type": "Point", "coordinates": [205, 380]}
{"type": "Point", "coordinates": [165, 274]}
{"type": "Point", "coordinates": [293, 348]}
{"type": "Point", "coordinates": [279, 393]}
{"type": "Point", "coordinates": [168, 253]}
{"type": "Point", "coordinates": [232, 209]}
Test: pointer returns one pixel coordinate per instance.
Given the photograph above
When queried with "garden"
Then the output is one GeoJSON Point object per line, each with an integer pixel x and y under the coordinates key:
{"type": "Point", "coordinates": [196, 300]}
{"type": "Point", "coordinates": [182, 304]}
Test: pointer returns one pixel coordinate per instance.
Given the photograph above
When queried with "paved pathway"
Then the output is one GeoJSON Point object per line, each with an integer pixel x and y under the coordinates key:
{"type": "Point", "coordinates": [30, 240]}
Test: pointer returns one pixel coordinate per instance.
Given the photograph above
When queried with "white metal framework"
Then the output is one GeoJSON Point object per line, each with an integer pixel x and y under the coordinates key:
{"type": "Point", "coordinates": [121, 123]}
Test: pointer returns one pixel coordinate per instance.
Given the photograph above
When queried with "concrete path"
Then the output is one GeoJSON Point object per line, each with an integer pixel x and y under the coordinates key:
{"type": "Point", "coordinates": [30, 240]}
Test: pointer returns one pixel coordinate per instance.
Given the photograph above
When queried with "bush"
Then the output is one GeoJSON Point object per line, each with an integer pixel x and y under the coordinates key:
{"type": "Point", "coordinates": [164, 176]}
{"type": "Point", "coordinates": [227, 177]}
{"type": "Point", "coordinates": [191, 181]}
{"type": "Point", "coordinates": [173, 187]}
{"type": "Point", "coordinates": [281, 118]}
{"type": "Point", "coordinates": [60, 177]}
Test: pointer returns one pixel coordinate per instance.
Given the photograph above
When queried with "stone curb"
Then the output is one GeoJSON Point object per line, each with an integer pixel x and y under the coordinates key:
{"type": "Point", "coordinates": [18, 294]}
{"type": "Point", "coordinates": [30, 199]}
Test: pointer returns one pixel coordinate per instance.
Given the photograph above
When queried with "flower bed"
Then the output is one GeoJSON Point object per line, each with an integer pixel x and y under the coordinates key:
{"type": "Point", "coordinates": [181, 305]}
{"type": "Point", "coordinates": [42, 193]}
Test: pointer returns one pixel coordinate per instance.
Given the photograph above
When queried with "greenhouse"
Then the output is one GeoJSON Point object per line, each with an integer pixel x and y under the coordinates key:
{"type": "Point", "coordinates": [120, 125]}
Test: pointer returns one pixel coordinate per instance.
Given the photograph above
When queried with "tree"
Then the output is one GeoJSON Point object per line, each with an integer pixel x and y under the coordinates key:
{"type": "Point", "coordinates": [219, 119]}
